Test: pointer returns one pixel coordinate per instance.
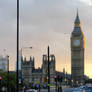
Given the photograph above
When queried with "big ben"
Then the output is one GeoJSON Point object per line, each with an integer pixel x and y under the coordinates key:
{"type": "Point", "coordinates": [77, 52]}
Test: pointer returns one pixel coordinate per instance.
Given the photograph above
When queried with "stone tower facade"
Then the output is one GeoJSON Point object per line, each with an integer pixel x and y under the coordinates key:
{"type": "Point", "coordinates": [27, 69]}
{"type": "Point", "coordinates": [77, 52]}
{"type": "Point", "coordinates": [32, 75]}
{"type": "Point", "coordinates": [52, 67]}
{"type": "Point", "coordinates": [44, 68]}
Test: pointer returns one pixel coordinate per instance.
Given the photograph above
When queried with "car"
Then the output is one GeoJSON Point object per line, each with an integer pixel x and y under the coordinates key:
{"type": "Point", "coordinates": [45, 86]}
{"type": "Point", "coordinates": [78, 90]}
{"type": "Point", "coordinates": [82, 87]}
{"type": "Point", "coordinates": [88, 89]}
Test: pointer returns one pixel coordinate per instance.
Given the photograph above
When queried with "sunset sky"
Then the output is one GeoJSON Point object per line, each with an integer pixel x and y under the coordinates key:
{"type": "Point", "coordinates": [43, 23]}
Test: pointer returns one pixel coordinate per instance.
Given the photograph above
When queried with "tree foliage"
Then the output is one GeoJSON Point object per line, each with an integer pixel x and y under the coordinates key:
{"type": "Point", "coordinates": [12, 79]}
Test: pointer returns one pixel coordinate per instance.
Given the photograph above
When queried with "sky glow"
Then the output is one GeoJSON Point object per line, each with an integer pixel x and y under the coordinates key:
{"type": "Point", "coordinates": [88, 2]}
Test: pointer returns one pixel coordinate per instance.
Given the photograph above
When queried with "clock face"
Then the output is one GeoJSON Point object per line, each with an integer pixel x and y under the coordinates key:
{"type": "Point", "coordinates": [76, 42]}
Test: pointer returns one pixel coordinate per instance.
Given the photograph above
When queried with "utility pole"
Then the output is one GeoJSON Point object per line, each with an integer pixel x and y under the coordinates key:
{"type": "Point", "coordinates": [17, 81]}
{"type": "Point", "coordinates": [48, 69]}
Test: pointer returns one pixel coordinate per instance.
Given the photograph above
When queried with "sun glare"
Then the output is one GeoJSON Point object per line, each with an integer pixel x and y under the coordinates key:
{"type": "Point", "coordinates": [88, 2]}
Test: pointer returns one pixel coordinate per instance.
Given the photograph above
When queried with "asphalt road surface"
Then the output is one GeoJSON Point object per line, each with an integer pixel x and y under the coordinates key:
{"type": "Point", "coordinates": [53, 90]}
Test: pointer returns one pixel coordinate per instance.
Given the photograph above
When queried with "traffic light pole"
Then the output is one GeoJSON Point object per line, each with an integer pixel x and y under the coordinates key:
{"type": "Point", "coordinates": [55, 78]}
{"type": "Point", "coordinates": [56, 86]}
{"type": "Point", "coordinates": [0, 85]}
{"type": "Point", "coordinates": [48, 70]}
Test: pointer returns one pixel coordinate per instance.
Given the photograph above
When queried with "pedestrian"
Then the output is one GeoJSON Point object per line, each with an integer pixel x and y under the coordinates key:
{"type": "Point", "coordinates": [60, 89]}
{"type": "Point", "coordinates": [24, 89]}
{"type": "Point", "coordinates": [39, 88]}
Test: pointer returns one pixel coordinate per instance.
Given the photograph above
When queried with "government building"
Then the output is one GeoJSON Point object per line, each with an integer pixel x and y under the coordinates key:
{"type": "Point", "coordinates": [32, 75]}
{"type": "Point", "coordinates": [38, 76]}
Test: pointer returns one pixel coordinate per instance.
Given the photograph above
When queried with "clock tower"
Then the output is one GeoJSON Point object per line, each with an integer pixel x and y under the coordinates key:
{"type": "Point", "coordinates": [77, 52]}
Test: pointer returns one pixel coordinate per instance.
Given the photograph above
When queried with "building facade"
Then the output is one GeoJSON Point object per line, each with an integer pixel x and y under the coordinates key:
{"type": "Point", "coordinates": [32, 75]}
{"type": "Point", "coordinates": [77, 52]}
{"type": "Point", "coordinates": [4, 63]}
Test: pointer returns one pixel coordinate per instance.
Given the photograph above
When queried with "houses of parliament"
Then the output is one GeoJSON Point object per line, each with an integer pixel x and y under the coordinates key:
{"type": "Point", "coordinates": [36, 76]}
{"type": "Point", "coordinates": [33, 75]}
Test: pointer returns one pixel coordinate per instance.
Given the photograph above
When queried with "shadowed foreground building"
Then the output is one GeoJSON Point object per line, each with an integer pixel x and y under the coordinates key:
{"type": "Point", "coordinates": [32, 75]}
{"type": "Point", "coordinates": [77, 52]}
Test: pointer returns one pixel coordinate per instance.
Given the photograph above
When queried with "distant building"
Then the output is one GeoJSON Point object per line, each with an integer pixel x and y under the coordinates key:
{"type": "Point", "coordinates": [77, 52]}
{"type": "Point", "coordinates": [33, 75]}
{"type": "Point", "coordinates": [3, 63]}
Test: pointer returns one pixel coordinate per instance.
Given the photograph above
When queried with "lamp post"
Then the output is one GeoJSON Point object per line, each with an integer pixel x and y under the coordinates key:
{"type": "Point", "coordinates": [17, 77]}
{"type": "Point", "coordinates": [8, 73]}
{"type": "Point", "coordinates": [25, 48]}
{"type": "Point", "coordinates": [48, 69]}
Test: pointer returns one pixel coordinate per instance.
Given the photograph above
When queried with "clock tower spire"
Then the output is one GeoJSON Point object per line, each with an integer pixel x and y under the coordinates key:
{"type": "Point", "coordinates": [77, 20]}
{"type": "Point", "coordinates": [77, 52]}
{"type": "Point", "coordinates": [77, 26]}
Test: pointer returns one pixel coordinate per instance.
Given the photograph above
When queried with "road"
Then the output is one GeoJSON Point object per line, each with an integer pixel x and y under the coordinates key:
{"type": "Point", "coordinates": [53, 90]}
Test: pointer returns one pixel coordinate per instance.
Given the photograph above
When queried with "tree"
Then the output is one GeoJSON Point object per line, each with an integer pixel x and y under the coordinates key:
{"type": "Point", "coordinates": [12, 80]}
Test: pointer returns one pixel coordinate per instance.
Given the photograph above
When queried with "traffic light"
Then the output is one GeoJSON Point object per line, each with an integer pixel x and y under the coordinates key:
{"type": "Point", "coordinates": [61, 78]}
{"type": "Point", "coordinates": [58, 78]}
{"type": "Point", "coordinates": [55, 78]}
{"type": "Point", "coordinates": [0, 80]}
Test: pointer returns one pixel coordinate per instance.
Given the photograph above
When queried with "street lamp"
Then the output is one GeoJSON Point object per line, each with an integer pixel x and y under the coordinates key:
{"type": "Point", "coordinates": [8, 73]}
{"type": "Point", "coordinates": [48, 69]}
{"type": "Point", "coordinates": [17, 79]}
{"type": "Point", "coordinates": [25, 48]}
{"type": "Point", "coordinates": [17, 72]}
